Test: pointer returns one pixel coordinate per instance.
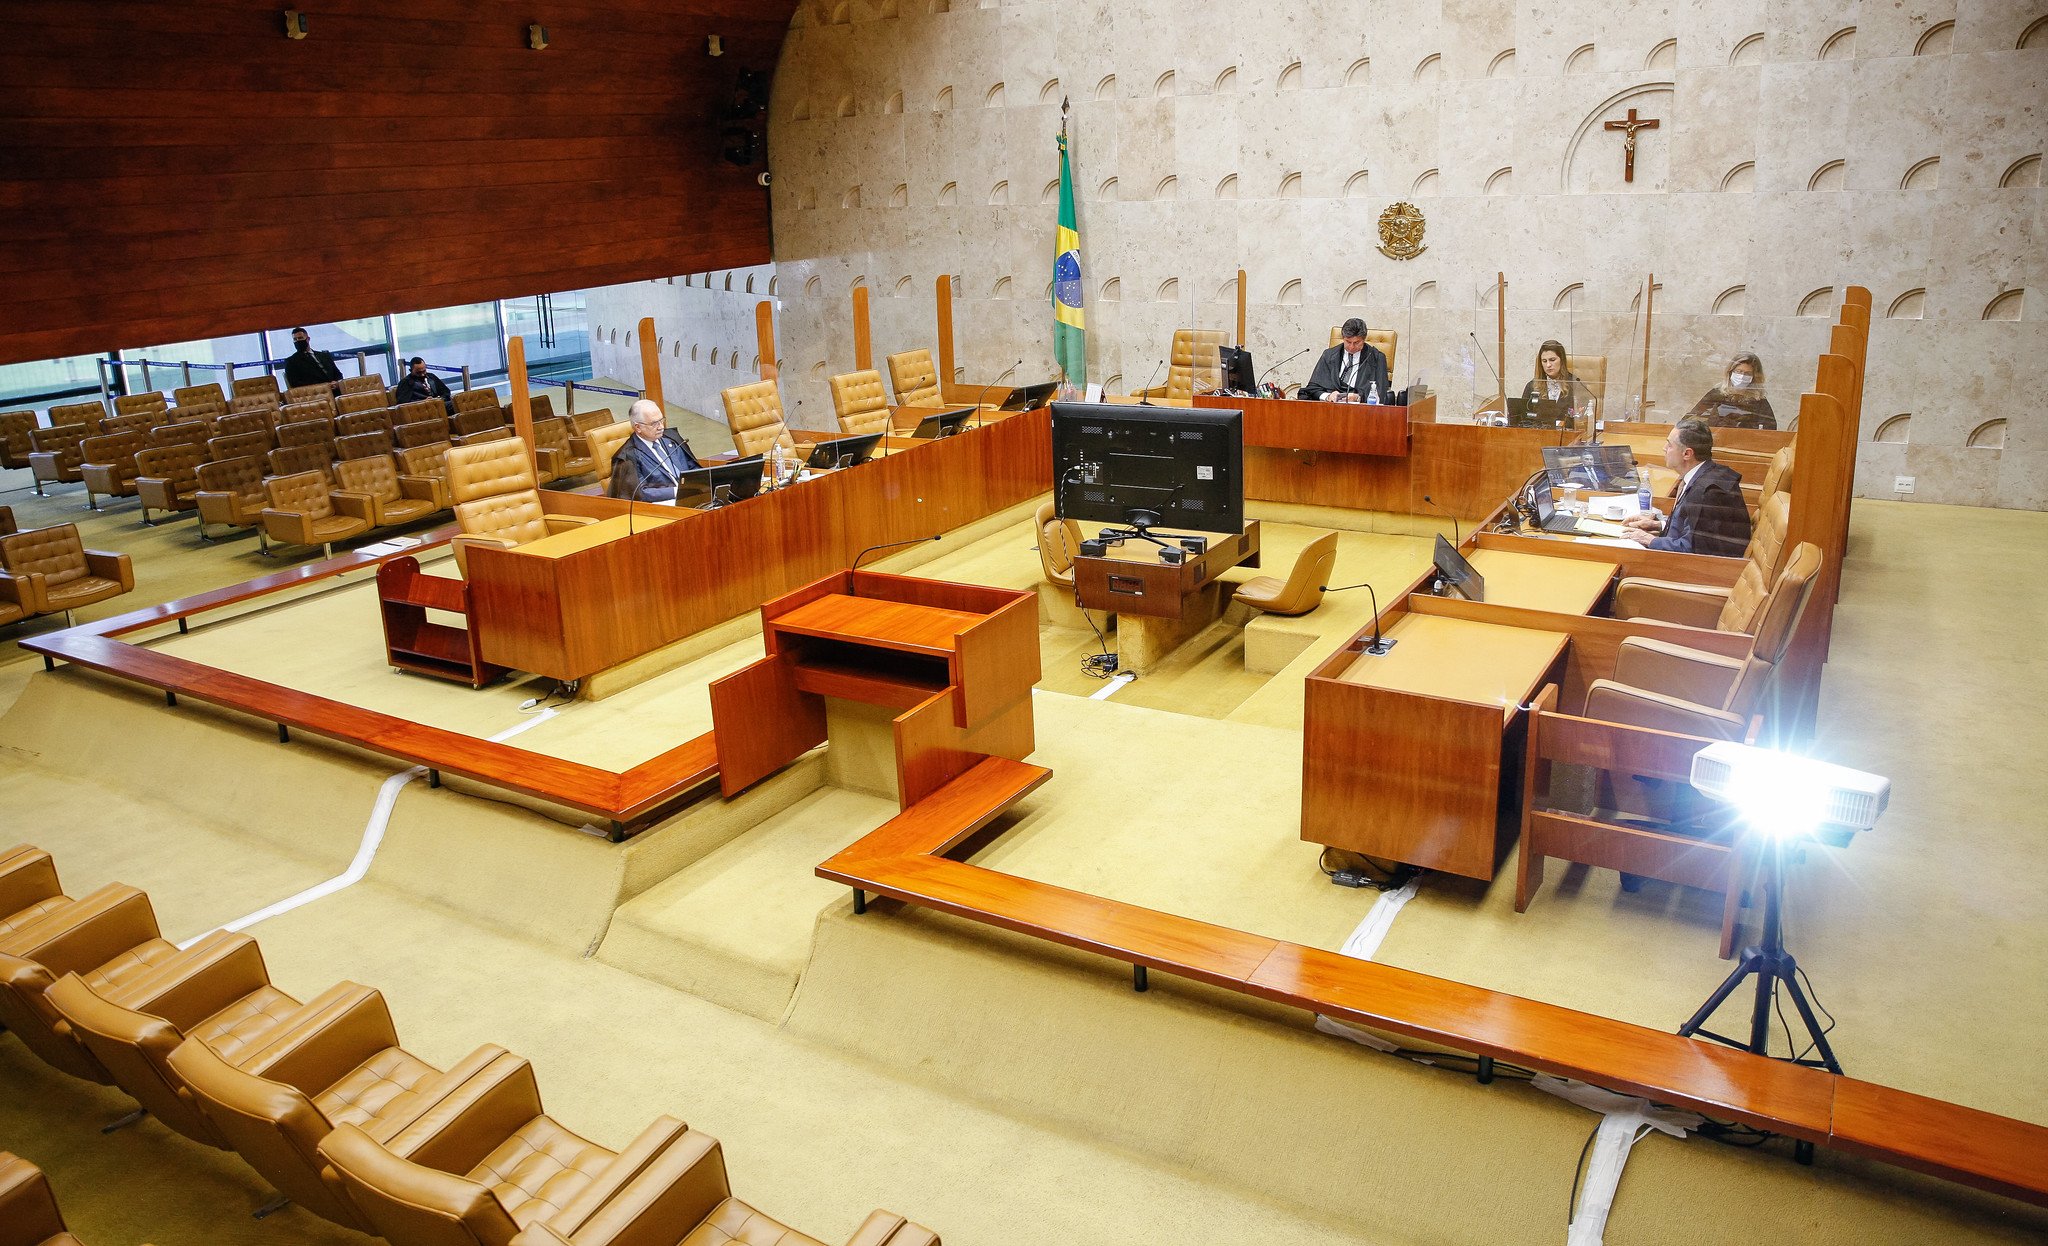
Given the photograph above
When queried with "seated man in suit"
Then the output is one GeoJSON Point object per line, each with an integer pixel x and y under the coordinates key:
{"type": "Point", "coordinates": [418, 384]}
{"type": "Point", "coordinates": [1709, 515]}
{"type": "Point", "coordinates": [651, 463]}
{"type": "Point", "coordinates": [1350, 371]}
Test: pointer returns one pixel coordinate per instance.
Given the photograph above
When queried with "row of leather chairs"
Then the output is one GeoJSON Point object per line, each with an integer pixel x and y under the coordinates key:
{"type": "Point", "coordinates": [322, 1100]}
{"type": "Point", "coordinates": [50, 571]}
{"type": "Point", "coordinates": [754, 412]}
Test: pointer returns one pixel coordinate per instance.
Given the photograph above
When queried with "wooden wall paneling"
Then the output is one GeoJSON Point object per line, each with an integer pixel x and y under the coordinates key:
{"type": "Point", "coordinates": [650, 362]}
{"type": "Point", "coordinates": [863, 336]}
{"type": "Point", "coordinates": [1654, 564]}
{"type": "Point", "coordinates": [761, 723]}
{"type": "Point", "coordinates": [764, 339]}
{"type": "Point", "coordinates": [522, 399]}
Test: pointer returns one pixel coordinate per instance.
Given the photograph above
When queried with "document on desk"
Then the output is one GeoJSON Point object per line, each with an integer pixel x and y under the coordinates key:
{"type": "Point", "coordinates": [1620, 541]}
{"type": "Point", "coordinates": [1600, 527]}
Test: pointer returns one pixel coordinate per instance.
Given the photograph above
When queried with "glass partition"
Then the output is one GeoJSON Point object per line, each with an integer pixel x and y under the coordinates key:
{"type": "Point", "coordinates": [344, 339]}
{"type": "Point", "coordinates": [452, 337]}
{"type": "Point", "coordinates": [49, 382]}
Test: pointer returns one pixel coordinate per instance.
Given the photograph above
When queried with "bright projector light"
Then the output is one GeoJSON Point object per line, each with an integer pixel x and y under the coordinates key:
{"type": "Point", "coordinates": [1789, 795]}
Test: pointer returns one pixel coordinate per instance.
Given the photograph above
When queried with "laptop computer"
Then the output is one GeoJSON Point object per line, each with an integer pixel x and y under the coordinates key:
{"type": "Point", "coordinates": [1547, 517]}
{"type": "Point", "coordinates": [1025, 397]}
{"type": "Point", "coordinates": [844, 451]}
{"type": "Point", "coordinates": [1539, 413]}
{"type": "Point", "coordinates": [1601, 468]}
{"type": "Point", "coordinates": [943, 424]}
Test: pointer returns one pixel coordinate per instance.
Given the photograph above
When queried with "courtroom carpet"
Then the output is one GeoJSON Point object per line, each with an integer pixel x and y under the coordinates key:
{"type": "Point", "coordinates": [1005, 1090]}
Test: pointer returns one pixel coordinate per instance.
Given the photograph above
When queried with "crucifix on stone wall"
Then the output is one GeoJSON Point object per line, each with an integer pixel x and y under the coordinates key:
{"type": "Point", "coordinates": [1628, 142]}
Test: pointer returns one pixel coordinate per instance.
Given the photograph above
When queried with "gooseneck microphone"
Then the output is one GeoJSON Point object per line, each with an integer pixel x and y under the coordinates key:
{"type": "Point", "coordinates": [1283, 363]}
{"type": "Point", "coordinates": [916, 540]}
{"type": "Point", "coordinates": [1430, 502]}
{"type": "Point", "coordinates": [981, 412]}
{"type": "Point", "coordinates": [1144, 399]}
{"type": "Point", "coordinates": [1380, 643]}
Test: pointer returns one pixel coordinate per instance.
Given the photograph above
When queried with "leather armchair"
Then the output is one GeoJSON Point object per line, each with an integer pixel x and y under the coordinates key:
{"type": "Point", "coordinates": [556, 452]}
{"type": "Point", "coordinates": [1591, 371]}
{"type": "Point", "coordinates": [337, 1063]}
{"type": "Point", "coordinates": [265, 405]}
{"type": "Point", "coordinates": [253, 444]}
{"type": "Point", "coordinates": [169, 479]}
{"type": "Point", "coordinates": [7, 523]}
{"type": "Point", "coordinates": [421, 409]}
{"type": "Point", "coordinates": [296, 410]}
{"type": "Point", "coordinates": [1195, 365]}
{"type": "Point", "coordinates": [480, 400]}
{"type": "Point", "coordinates": [754, 414]}
{"type": "Point", "coordinates": [303, 511]}
{"type": "Point", "coordinates": [858, 401]}
{"type": "Point", "coordinates": [318, 431]}
{"type": "Point", "coordinates": [373, 444]}
{"type": "Point", "coordinates": [604, 446]}
{"type": "Point", "coordinates": [199, 395]}
{"type": "Point", "coordinates": [140, 423]}
{"type": "Point", "coordinates": [216, 992]}
{"type": "Point", "coordinates": [426, 467]}
{"type": "Point", "coordinates": [425, 432]}
{"type": "Point", "coordinates": [107, 465]}
{"type": "Point", "coordinates": [320, 391]}
{"type": "Point", "coordinates": [393, 500]}
{"type": "Point", "coordinates": [367, 383]}
{"type": "Point", "coordinates": [477, 424]}
{"type": "Point", "coordinates": [90, 414]}
{"type": "Point", "coordinates": [1777, 477]}
{"type": "Point", "coordinates": [261, 386]}
{"type": "Point", "coordinates": [231, 493]}
{"type": "Point", "coordinates": [28, 1211]}
{"type": "Point", "coordinates": [72, 575]}
{"type": "Point", "coordinates": [497, 501]}
{"type": "Point", "coordinates": [1384, 340]}
{"type": "Point", "coordinates": [107, 938]}
{"type": "Point", "coordinates": [56, 455]}
{"type": "Point", "coordinates": [295, 460]}
{"type": "Point", "coordinates": [1058, 541]}
{"type": "Point", "coordinates": [21, 597]}
{"type": "Point", "coordinates": [149, 400]}
{"type": "Point", "coordinates": [15, 426]}
{"type": "Point", "coordinates": [1731, 609]}
{"type": "Point", "coordinates": [364, 403]}
{"type": "Point", "coordinates": [183, 433]}
{"type": "Point", "coordinates": [915, 378]}
{"type": "Point", "coordinates": [29, 888]}
{"type": "Point", "coordinates": [1302, 590]}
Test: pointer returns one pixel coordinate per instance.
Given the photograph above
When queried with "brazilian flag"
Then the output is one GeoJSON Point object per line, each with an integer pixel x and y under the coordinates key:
{"type": "Point", "coordinates": [1069, 328]}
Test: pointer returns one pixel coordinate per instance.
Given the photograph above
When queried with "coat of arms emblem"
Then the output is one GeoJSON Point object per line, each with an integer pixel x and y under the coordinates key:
{"type": "Point", "coordinates": [1401, 232]}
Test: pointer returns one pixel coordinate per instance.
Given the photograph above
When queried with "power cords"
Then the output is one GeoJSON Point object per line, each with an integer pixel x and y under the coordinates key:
{"type": "Point", "coordinates": [1096, 665]}
{"type": "Point", "coordinates": [563, 693]}
{"type": "Point", "coordinates": [1377, 877]}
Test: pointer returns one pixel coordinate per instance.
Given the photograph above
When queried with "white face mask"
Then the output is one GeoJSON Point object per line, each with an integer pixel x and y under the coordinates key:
{"type": "Point", "coordinates": [1738, 380]}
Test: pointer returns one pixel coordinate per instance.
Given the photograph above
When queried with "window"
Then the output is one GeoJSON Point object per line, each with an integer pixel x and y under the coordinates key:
{"type": "Point", "coordinates": [41, 385]}
{"type": "Point", "coordinates": [557, 332]}
{"type": "Point", "coordinates": [453, 337]}
{"type": "Point", "coordinates": [344, 339]}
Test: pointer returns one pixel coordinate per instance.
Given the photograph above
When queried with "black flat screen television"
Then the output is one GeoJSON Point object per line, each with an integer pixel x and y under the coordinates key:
{"type": "Point", "coordinates": [1167, 467]}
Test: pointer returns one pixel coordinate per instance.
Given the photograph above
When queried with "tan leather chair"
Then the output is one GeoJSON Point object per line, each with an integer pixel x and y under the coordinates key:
{"type": "Point", "coordinates": [108, 466]}
{"type": "Point", "coordinates": [29, 887]}
{"type": "Point", "coordinates": [364, 419]}
{"type": "Point", "coordinates": [420, 409]}
{"type": "Point", "coordinates": [199, 395]}
{"type": "Point", "coordinates": [7, 523]}
{"type": "Point", "coordinates": [262, 386]}
{"type": "Point", "coordinates": [1058, 541]}
{"type": "Point", "coordinates": [1669, 687]}
{"type": "Point", "coordinates": [216, 992]}
{"type": "Point", "coordinates": [338, 1064]}
{"type": "Point", "coordinates": [304, 511]}
{"type": "Point", "coordinates": [255, 404]}
{"type": "Point", "coordinates": [860, 404]}
{"type": "Point", "coordinates": [425, 432]}
{"type": "Point", "coordinates": [497, 501]}
{"type": "Point", "coordinates": [149, 400]}
{"type": "Point", "coordinates": [181, 433]}
{"type": "Point", "coordinates": [1731, 609]}
{"type": "Point", "coordinates": [1383, 340]}
{"type": "Point", "coordinates": [107, 938]}
{"type": "Point", "coordinates": [1777, 478]}
{"type": "Point", "coordinates": [249, 445]}
{"type": "Point", "coordinates": [320, 392]}
{"type": "Point", "coordinates": [426, 467]}
{"type": "Point", "coordinates": [477, 424]}
{"type": "Point", "coordinates": [231, 493]}
{"type": "Point", "coordinates": [293, 460]}
{"type": "Point", "coordinates": [72, 575]}
{"type": "Point", "coordinates": [367, 383]}
{"type": "Point", "coordinates": [553, 453]}
{"type": "Point", "coordinates": [539, 406]}
{"type": "Point", "coordinates": [139, 424]}
{"type": "Point", "coordinates": [15, 426]}
{"type": "Point", "coordinates": [21, 597]}
{"type": "Point", "coordinates": [375, 444]}
{"type": "Point", "coordinates": [169, 479]}
{"type": "Point", "coordinates": [203, 412]}
{"type": "Point", "coordinates": [1194, 366]}
{"type": "Point", "coordinates": [393, 501]}
{"type": "Point", "coordinates": [28, 1210]}
{"type": "Point", "coordinates": [90, 414]}
{"type": "Point", "coordinates": [604, 446]}
{"type": "Point", "coordinates": [1302, 590]}
{"type": "Point", "coordinates": [915, 378]}
{"type": "Point", "coordinates": [480, 400]}
{"type": "Point", "coordinates": [754, 414]}
{"type": "Point", "coordinates": [56, 455]}
{"type": "Point", "coordinates": [241, 423]}
{"type": "Point", "coordinates": [320, 408]}
{"type": "Point", "coordinates": [1591, 371]}
{"type": "Point", "coordinates": [313, 432]}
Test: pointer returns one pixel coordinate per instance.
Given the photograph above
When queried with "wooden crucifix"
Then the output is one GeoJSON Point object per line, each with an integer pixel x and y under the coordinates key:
{"type": "Point", "coordinates": [1628, 142]}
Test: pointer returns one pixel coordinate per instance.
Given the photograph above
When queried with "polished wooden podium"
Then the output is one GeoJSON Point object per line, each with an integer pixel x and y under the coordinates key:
{"type": "Point", "coordinates": [958, 660]}
{"type": "Point", "coordinates": [1337, 427]}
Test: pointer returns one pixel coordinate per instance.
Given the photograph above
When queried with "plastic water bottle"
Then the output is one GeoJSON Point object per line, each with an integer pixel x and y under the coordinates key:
{"type": "Point", "coordinates": [1373, 394]}
{"type": "Point", "coordinates": [1643, 493]}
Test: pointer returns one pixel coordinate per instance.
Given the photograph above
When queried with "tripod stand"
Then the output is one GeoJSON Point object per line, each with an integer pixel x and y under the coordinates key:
{"type": "Point", "coordinates": [1772, 966]}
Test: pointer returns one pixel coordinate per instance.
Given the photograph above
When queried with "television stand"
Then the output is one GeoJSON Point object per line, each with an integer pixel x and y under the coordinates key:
{"type": "Point", "coordinates": [1160, 605]}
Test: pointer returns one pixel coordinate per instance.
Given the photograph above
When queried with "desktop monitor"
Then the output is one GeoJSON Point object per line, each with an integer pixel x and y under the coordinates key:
{"type": "Point", "coordinates": [1602, 468]}
{"type": "Point", "coordinates": [1238, 373]}
{"type": "Point", "coordinates": [844, 451]}
{"type": "Point", "coordinates": [708, 487]}
{"type": "Point", "coordinates": [1025, 397]}
{"type": "Point", "coordinates": [943, 423]}
{"type": "Point", "coordinates": [1458, 574]}
{"type": "Point", "coordinates": [1169, 467]}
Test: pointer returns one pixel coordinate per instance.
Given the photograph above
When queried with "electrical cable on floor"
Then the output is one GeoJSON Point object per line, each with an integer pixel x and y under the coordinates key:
{"type": "Point", "coordinates": [1096, 665]}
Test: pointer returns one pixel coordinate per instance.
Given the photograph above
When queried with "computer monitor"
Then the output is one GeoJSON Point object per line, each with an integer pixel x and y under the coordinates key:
{"type": "Point", "coordinates": [843, 451]}
{"type": "Point", "coordinates": [708, 487]}
{"type": "Point", "coordinates": [1025, 397]}
{"type": "Point", "coordinates": [1168, 467]}
{"type": "Point", "coordinates": [1603, 468]}
{"type": "Point", "coordinates": [1238, 372]}
{"type": "Point", "coordinates": [942, 424]}
{"type": "Point", "coordinates": [1457, 574]}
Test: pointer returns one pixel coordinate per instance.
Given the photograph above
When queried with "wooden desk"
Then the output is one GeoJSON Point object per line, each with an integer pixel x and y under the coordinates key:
{"type": "Point", "coordinates": [1414, 756]}
{"type": "Point", "coordinates": [1338, 427]}
{"type": "Point", "coordinates": [957, 660]}
{"type": "Point", "coordinates": [1160, 606]}
{"type": "Point", "coordinates": [1533, 582]}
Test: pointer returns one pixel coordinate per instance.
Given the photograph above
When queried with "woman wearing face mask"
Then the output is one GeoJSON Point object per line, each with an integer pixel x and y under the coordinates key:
{"type": "Point", "coordinates": [1740, 403]}
{"type": "Point", "coordinates": [1554, 382]}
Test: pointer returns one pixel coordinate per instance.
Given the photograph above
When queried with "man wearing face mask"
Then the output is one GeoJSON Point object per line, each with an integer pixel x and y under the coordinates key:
{"type": "Point", "coordinates": [308, 366]}
{"type": "Point", "coordinates": [1740, 403]}
{"type": "Point", "coordinates": [418, 383]}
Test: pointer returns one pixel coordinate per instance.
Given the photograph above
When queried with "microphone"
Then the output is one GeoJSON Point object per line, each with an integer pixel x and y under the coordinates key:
{"type": "Point", "coordinates": [916, 540]}
{"type": "Point", "coordinates": [1284, 362]}
{"type": "Point", "coordinates": [1143, 400]}
{"type": "Point", "coordinates": [981, 412]}
{"type": "Point", "coordinates": [1430, 502]}
{"type": "Point", "coordinates": [1379, 644]}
